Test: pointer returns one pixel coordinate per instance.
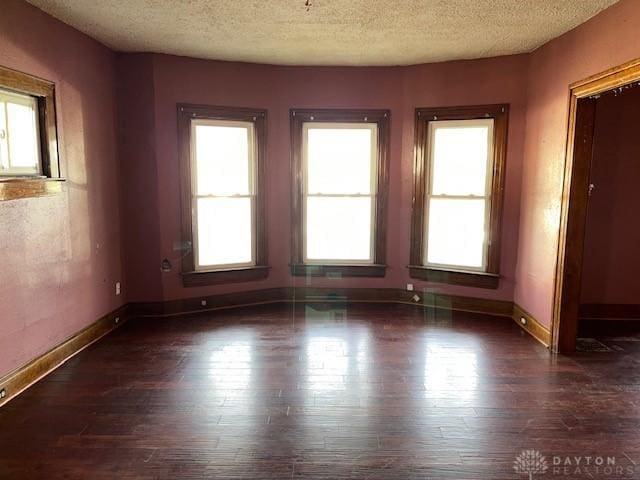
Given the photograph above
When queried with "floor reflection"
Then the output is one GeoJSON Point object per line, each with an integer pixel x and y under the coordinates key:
{"type": "Point", "coordinates": [336, 359]}
{"type": "Point", "coordinates": [230, 366]}
{"type": "Point", "coordinates": [450, 371]}
{"type": "Point", "coordinates": [327, 363]}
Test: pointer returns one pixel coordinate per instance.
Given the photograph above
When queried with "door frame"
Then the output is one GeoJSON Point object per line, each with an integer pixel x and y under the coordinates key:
{"type": "Point", "coordinates": [573, 216]}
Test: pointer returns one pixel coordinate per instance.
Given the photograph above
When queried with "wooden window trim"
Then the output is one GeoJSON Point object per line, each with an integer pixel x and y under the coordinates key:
{"type": "Point", "coordinates": [259, 271]}
{"type": "Point", "coordinates": [50, 182]}
{"type": "Point", "coordinates": [455, 277]}
{"type": "Point", "coordinates": [382, 119]}
{"type": "Point", "coordinates": [489, 278]}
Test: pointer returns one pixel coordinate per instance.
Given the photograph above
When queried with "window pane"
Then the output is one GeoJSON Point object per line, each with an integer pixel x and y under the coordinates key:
{"type": "Point", "coordinates": [23, 135]}
{"type": "Point", "coordinates": [222, 159]}
{"type": "Point", "coordinates": [456, 232]}
{"type": "Point", "coordinates": [339, 160]}
{"type": "Point", "coordinates": [224, 231]}
{"type": "Point", "coordinates": [338, 228]}
{"type": "Point", "coordinates": [459, 158]}
{"type": "Point", "coordinates": [4, 152]}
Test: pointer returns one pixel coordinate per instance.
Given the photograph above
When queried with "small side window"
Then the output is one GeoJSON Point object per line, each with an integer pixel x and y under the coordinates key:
{"type": "Point", "coordinates": [19, 135]}
{"type": "Point", "coordinates": [28, 137]}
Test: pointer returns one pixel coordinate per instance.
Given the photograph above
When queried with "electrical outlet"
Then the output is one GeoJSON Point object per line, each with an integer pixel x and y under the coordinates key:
{"type": "Point", "coordinates": [118, 289]}
{"type": "Point", "coordinates": [410, 287]}
{"type": "Point", "coordinates": [203, 303]}
{"type": "Point", "coordinates": [523, 320]}
{"type": "Point", "coordinates": [416, 298]}
{"type": "Point", "coordinates": [3, 393]}
{"type": "Point", "coordinates": [117, 319]}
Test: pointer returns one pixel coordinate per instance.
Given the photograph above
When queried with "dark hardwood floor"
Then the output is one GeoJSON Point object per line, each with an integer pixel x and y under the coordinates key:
{"type": "Point", "coordinates": [324, 392]}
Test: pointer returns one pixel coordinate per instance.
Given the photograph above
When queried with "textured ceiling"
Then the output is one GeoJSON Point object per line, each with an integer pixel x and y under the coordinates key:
{"type": "Point", "coordinates": [329, 32]}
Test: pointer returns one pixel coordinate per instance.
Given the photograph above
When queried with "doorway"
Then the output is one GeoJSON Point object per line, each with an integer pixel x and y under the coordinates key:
{"type": "Point", "coordinates": [585, 98]}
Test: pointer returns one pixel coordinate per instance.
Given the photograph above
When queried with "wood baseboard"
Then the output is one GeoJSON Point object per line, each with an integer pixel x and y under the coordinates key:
{"type": "Point", "coordinates": [23, 377]}
{"type": "Point", "coordinates": [208, 303]}
{"type": "Point", "coordinates": [532, 326]}
{"type": "Point", "coordinates": [613, 311]}
{"type": "Point", "coordinates": [313, 294]}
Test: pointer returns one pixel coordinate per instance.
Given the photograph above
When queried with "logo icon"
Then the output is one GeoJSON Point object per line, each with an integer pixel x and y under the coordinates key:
{"type": "Point", "coordinates": [530, 462]}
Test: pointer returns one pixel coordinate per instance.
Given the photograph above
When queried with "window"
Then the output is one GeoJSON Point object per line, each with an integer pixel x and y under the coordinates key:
{"type": "Point", "coordinates": [340, 181]}
{"type": "Point", "coordinates": [222, 153]}
{"type": "Point", "coordinates": [459, 180]}
{"type": "Point", "coordinates": [19, 138]}
{"type": "Point", "coordinates": [28, 137]}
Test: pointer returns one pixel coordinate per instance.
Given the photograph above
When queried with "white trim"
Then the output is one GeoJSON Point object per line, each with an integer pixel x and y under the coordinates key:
{"type": "Point", "coordinates": [433, 126]}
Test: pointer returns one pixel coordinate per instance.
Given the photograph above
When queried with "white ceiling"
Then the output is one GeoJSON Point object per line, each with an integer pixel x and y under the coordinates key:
{"type": "Point", "coordinates": [329, 32]}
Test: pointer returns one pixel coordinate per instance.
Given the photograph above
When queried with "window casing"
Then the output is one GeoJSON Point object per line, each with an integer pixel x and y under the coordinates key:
{"type": "Point", "coordinates": [458, 190]}
{"type": "Point", "coordinates": [28, 137]}
{"type": "Point", "coordinates": [222, 155]}
{"type": "Point", "coordinates": [339, 166]}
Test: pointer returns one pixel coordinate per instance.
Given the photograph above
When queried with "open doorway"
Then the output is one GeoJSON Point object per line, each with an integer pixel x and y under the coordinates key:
{"type": "Point", "coordinates": [610, 290]}
{"type": "Point", "coordinates": [599, 232]}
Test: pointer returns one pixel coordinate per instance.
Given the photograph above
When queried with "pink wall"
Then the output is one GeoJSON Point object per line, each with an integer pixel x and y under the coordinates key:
{"type": "Point", "coordinates": [139, 187]}
{"type": "Point", "coordinates": [60, 256]}
{"type": "Point", "coordinates": [277, 89]}
{"type": "Point", "coordinates": [612, 261]}
{"type": "Point", "coordinates": [607, 40]}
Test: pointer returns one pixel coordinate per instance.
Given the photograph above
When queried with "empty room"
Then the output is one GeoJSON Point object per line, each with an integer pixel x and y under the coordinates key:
{"type": "Point", "coordinates": [319, 239]}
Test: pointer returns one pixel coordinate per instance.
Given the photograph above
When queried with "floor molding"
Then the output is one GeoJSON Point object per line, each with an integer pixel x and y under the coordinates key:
{"type": "Point", "coordinates": [316, 294]}
{"type": "Point", "coordinates": [23, 377]}
{"type": "Point", "coordinates": [531, 325]}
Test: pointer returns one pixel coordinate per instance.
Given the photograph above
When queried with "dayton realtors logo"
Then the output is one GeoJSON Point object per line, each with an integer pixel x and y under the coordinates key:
{"type": "Point", "coordinates": [530, 462]}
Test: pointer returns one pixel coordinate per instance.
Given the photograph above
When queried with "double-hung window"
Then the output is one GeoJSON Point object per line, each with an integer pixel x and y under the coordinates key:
{"type": "Point", "coordinates": [223, 210]}
{"type": "Point", "coordinates": [339, 163]}
{"type": "Point", "coordinates": [458, 184]}
{"type": "Point", "coordinates": [28, 137]}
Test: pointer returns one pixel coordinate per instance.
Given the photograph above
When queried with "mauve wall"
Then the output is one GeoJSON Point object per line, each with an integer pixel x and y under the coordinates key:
{"type": "Point", "coordinates": [60, 256]}
{"type": "Point", "coordinates": [612, 261]}
{"type": "Point", "coordinates": [607, 40]}
{"type": "Point", "coordinates": [277, 89]}
{"type": "Point", "coordinates": [139, 184]}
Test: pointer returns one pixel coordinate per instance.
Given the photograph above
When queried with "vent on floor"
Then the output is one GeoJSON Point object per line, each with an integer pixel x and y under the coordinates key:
{"type": "Point", "coordinates": [591, 345]}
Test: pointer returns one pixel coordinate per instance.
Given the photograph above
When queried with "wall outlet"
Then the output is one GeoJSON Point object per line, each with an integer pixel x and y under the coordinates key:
{"type": "Point", "coordinates": [3, 393]}
{"type": "Point", "coordinates": [203, 303]}
{"type": "Point", "coordinates": [118, 288]}
{"type": "Point", "coordinates": [416, 298]}
{"type": "Point", "coordinates": [523, 320]}
{"type": "Point", "coordinates": [410, 287]}
{"type": "Point", "coordinates": [116, 320]}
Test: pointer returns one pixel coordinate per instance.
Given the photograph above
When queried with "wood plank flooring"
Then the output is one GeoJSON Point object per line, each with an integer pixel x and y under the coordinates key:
{"type": "Point", "coordinates": [323, 392]}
